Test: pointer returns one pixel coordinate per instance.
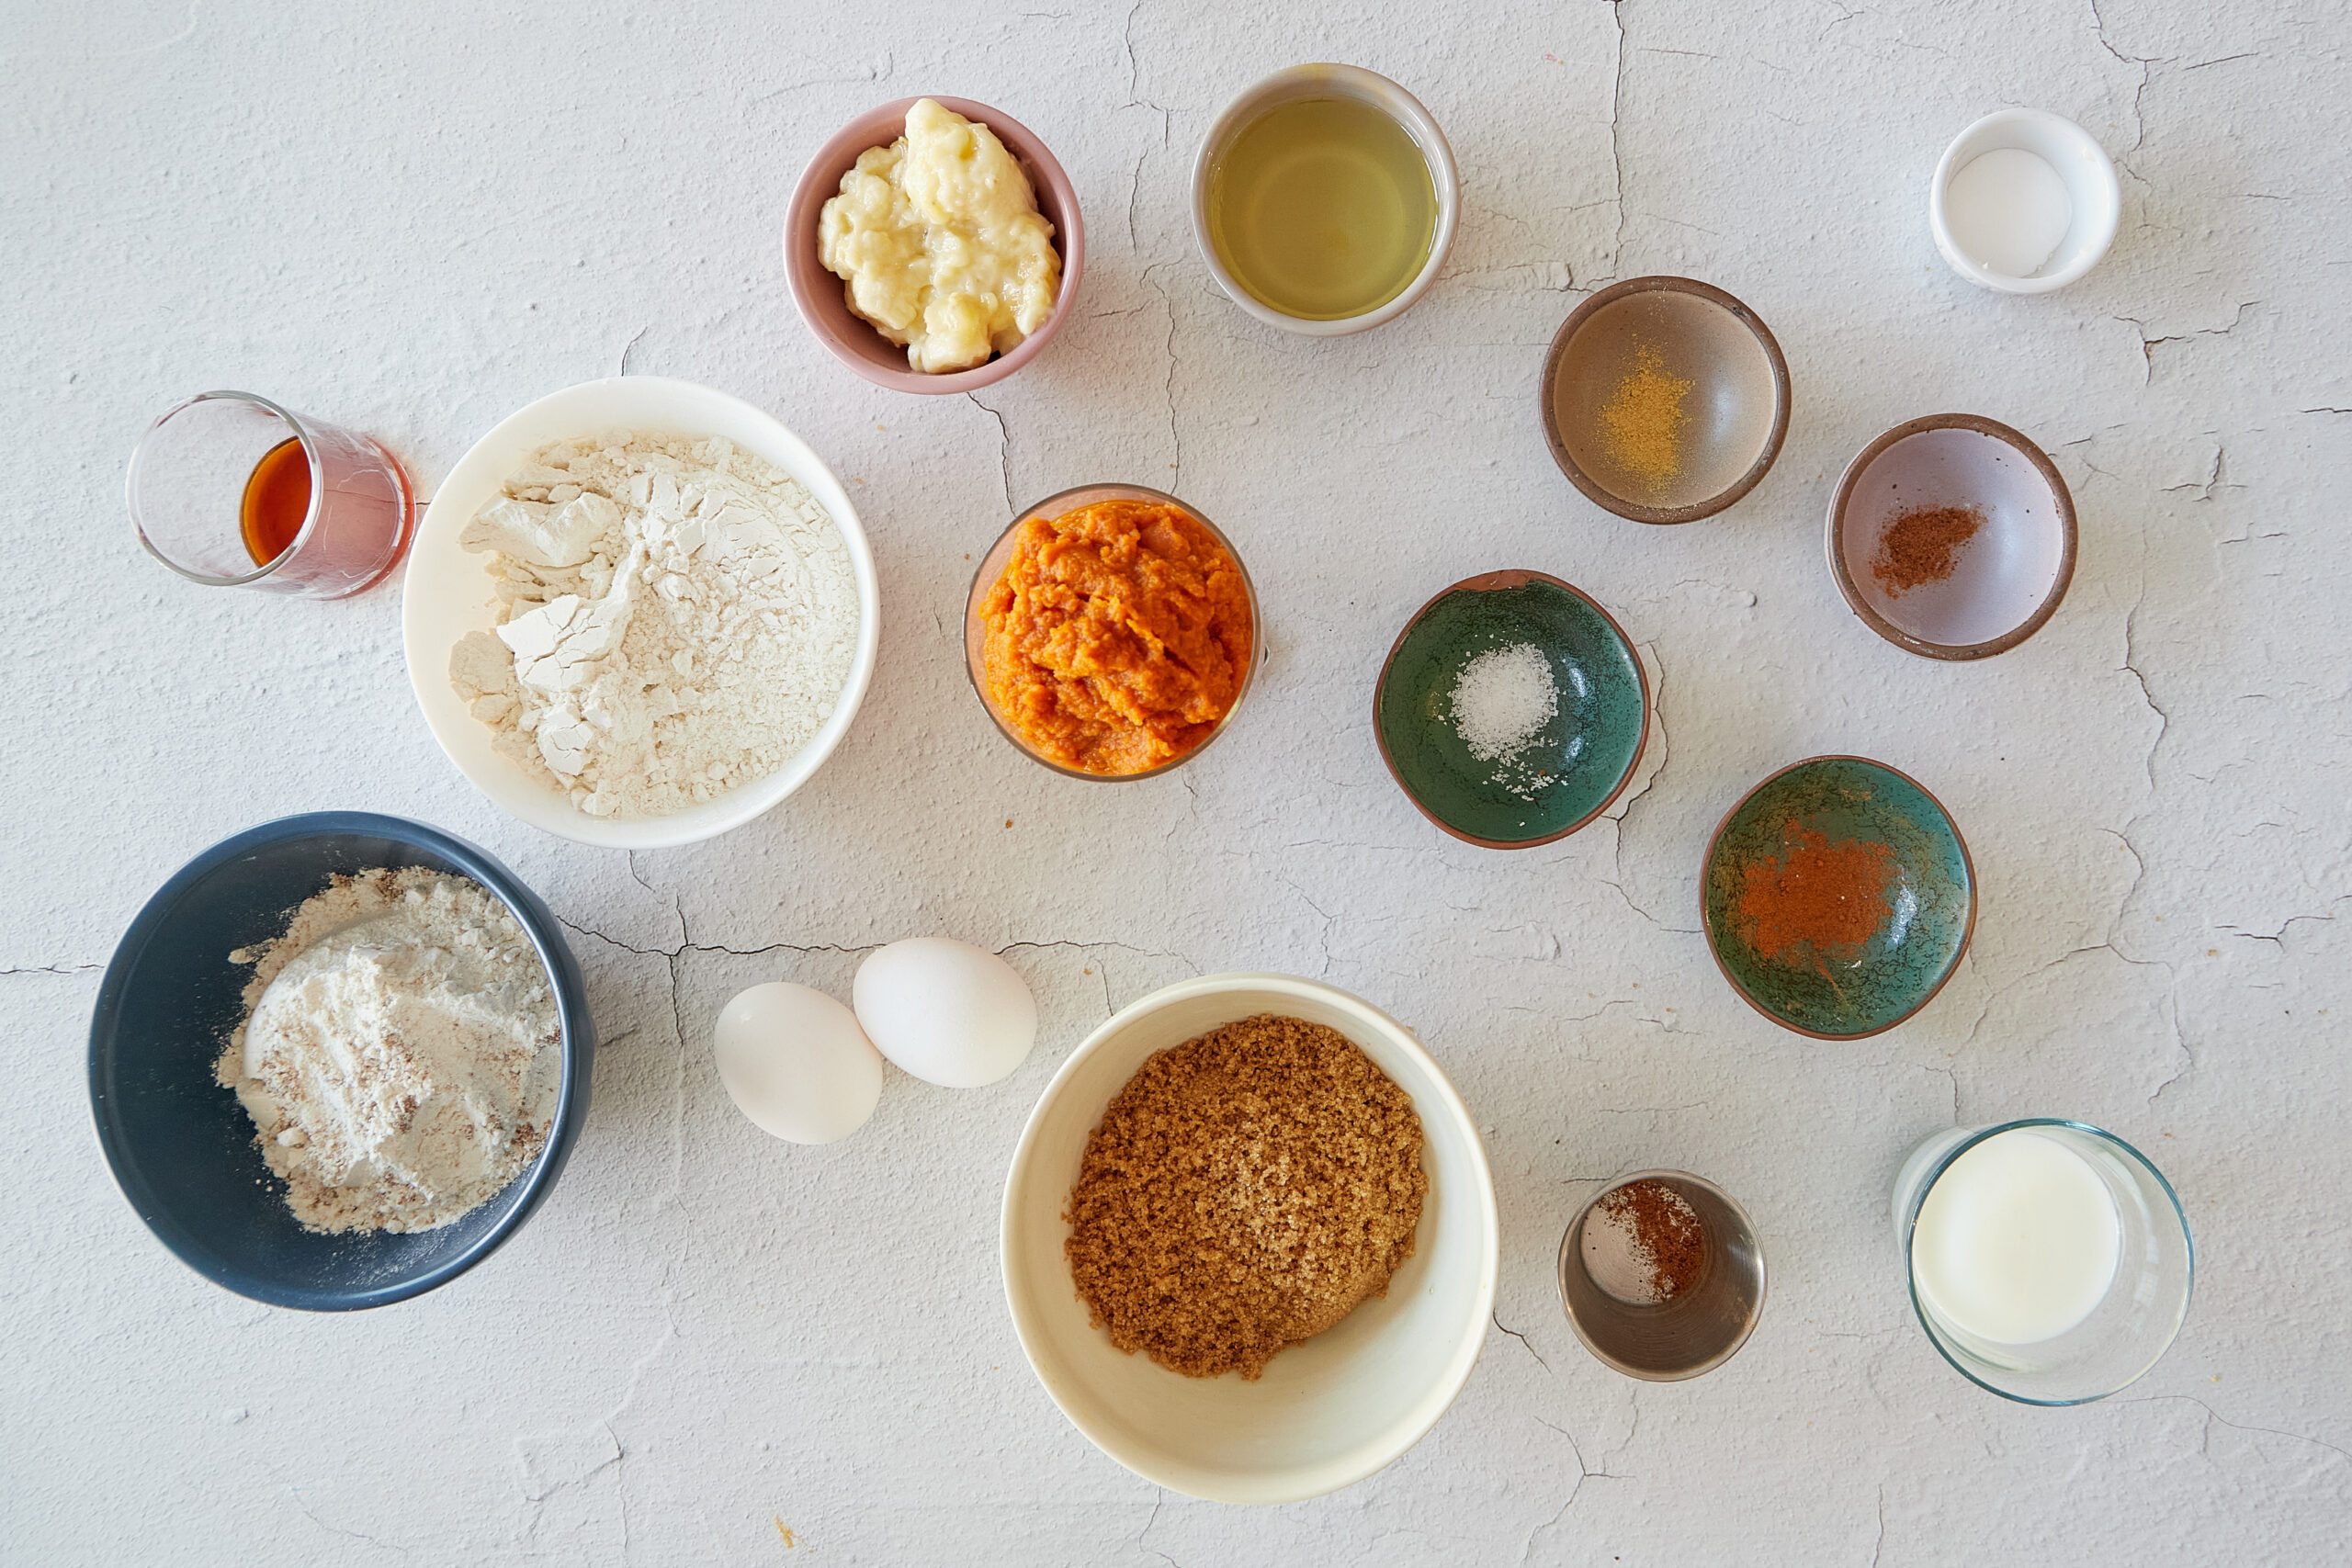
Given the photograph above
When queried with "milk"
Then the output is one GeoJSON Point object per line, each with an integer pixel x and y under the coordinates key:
{"type": "Point", "coordinates": [2010, 210]}
{"type": "Point", "coordinates": [2018, 1240]}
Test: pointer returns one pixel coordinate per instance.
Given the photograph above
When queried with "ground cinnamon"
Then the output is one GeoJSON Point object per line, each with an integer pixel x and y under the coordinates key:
{"type": "Point", "coordinates": [1666, 1233]}
{"type": "Point", "coordinates": [1820, 901]}
{"type": "Point", "coordinates": [1923, 546]}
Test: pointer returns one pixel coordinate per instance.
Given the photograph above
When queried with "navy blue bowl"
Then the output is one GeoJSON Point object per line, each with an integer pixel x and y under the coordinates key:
{"type": "Point", "coordinates": [182, 1147]}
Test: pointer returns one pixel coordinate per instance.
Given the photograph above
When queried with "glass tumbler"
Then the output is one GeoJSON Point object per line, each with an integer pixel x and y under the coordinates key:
{"type": "Point", "coordinates": [2134, 1322]}
{"type": "Point", "coordinates": [190, 485]}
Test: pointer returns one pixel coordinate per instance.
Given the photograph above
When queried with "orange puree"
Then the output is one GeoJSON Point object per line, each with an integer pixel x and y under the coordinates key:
{"type": "Point", "coordinates": [1118, 636]}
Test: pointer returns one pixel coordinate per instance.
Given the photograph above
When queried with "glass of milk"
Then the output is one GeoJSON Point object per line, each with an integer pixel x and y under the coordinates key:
{"type": "Point", "coordinates": [2048, 1260]}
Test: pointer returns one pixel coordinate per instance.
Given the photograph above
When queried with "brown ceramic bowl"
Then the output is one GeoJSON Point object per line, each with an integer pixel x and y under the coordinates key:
{"type": "Point", "coordinates": [991, 567]}
{"type": "Point", "coordinates": [1735, 413]}
{"type": "Point", "coordinates": [2006, 582]}
{"type": "Point", "coordinates": [820, 294]}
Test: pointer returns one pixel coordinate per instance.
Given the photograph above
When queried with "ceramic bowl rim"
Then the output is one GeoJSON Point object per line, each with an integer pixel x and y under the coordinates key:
{"type": "Point", "coordinates": [1948, 165]}
{"type": "Point", "coordinates": [820, 178]}
{"type": "Point", "coordinates": [1393, 99]}
{"type": "Point", "coordinates": [1714, 937]}
{"type": "Point", "coordinates": [745, 803]}
{"type": "Point", "coordinates": [1128, 492]}
{"type": "Point", "coordinates": [1599, 494]}
{"type": "Point", "coordinates": [1448, 1100]}
{"type": "Point", "coordinates": [1490, 582]}
{"type": "Point", "coordinates": [576, 1030]}
{"type": "Point", "coordinates": [1993, 429]}
{"type": "Point", "coordinates": [1746, 1223]}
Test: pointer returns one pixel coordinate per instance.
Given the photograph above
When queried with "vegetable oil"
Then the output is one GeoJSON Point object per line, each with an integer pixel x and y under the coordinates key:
{"type": "Point", "coordinates": [1322, 209]}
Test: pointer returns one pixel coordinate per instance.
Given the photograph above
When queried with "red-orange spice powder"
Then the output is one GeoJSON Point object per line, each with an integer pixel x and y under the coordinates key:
{"type": "Point", "coordinates": [1923, 546]}
{"type": "Point", "coordinates": [1820, 901]}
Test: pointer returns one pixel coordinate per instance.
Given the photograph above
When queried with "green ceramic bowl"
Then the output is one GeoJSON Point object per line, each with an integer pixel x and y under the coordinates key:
{"type": "Point", "coordinates": [1569, 769]}
{"type": "Point", "coordinates": [1838, 898]}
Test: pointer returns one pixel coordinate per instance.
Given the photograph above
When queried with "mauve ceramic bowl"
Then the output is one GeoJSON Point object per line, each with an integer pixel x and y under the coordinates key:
{"type": "Point", "coordinates": [820, 294]}
{"type": "Point", "coordinates": [2006, 581]}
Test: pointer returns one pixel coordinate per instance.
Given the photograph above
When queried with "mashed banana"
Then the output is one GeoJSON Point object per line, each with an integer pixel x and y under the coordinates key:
{"type": "Point", "coordinates": [939, 238]}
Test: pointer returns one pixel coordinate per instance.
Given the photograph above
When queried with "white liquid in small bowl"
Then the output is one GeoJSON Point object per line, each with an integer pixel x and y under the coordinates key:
{"type": "Point", "coordinates": [2010, 210]}
{"type": "Point", "coordinates": [2018, 1241]}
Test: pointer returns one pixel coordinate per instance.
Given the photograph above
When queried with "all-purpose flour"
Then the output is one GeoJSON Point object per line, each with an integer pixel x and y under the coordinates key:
{"type": "Point", "coordinates": [677, 617]}
{"type": "Point", "coordinates": [400, 1054]}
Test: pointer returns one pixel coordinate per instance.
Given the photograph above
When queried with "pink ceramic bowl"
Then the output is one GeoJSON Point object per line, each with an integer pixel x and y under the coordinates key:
{"type": "Point", "coordinates": [820, 294]}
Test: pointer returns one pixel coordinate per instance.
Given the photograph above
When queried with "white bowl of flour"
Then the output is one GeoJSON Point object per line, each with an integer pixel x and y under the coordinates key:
{"type": "Point", "coordinates": [561, 624]}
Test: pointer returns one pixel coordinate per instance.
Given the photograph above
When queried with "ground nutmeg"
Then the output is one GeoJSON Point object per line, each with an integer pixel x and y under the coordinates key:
{"type": "Point", "coordinates": [1666, 1234]}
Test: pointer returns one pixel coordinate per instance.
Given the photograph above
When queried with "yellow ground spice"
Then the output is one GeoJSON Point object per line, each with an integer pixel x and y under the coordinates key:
{"type": "Point", "coordinates": [1642, 422]}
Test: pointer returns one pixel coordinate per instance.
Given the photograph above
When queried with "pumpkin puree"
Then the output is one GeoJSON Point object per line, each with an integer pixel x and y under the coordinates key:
{"type": "Point", "coordinates": [1117, 638]}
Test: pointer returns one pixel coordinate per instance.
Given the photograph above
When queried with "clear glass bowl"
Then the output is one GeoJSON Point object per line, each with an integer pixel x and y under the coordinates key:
{"type": "Point", "coordinates": [991, 567]}
{"type": "Point", "coordinates": [2135, 1321]}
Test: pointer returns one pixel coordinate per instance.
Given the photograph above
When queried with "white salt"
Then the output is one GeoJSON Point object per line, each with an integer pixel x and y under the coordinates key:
{"type": "Point", "coordinates": [1502, 700]}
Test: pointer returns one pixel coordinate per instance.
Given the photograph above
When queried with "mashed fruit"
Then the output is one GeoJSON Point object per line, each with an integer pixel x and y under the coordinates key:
{"type": "Point", "coordinates": [1118, 636]}
{"type": "Point", "coordinates": [939, 239]}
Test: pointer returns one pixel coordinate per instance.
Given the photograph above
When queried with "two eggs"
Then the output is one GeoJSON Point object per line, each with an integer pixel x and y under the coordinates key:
{"type": "Point", "coordinates": [805, 1068]}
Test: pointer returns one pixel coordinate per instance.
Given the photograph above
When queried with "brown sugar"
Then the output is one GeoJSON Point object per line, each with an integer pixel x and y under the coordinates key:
{"type": "Point", "coordinates": [1245, 1191]}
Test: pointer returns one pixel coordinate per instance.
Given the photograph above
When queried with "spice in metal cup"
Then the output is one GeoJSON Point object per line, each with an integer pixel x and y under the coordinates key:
{"type": "Point", "coordinates": [1662, 1276]}
{"type": "Point", "coordinates": [1643, 1243]}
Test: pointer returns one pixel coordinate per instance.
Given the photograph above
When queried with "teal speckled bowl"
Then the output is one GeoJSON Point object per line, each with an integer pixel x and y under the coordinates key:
{"type": "Point", "coordinates": [1842, 993]}
{"type": "Point", "coordinates": [1574, 766]}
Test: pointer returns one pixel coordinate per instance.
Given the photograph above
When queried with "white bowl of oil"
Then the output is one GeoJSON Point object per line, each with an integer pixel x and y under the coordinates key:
{"type": "Point", "coordinates": [1323, 200]}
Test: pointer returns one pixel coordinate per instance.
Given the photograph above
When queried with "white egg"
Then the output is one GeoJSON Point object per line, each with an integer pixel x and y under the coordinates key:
{"type": "Point", "coordinates": [946, 1012]}
{"type": "Point", "coordinates": [795, 1062]}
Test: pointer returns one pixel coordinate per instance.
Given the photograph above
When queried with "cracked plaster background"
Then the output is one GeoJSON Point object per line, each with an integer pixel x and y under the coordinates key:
{"type": "Point", "coordinates": [414, 218]}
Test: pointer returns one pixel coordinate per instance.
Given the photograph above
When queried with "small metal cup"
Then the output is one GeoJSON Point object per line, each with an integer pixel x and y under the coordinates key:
{"type": "Point", "coordinates": [1694, 1330]}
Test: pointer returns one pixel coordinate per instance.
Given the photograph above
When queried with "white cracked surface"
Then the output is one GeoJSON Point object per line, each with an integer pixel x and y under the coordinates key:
{"type": "Point", "coordinates": [413, 219]}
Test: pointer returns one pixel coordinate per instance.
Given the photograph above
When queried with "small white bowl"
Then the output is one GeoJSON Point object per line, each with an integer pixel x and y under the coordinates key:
{"type": "Point", "coordinates": [448, 593]}
{"type": "Point", "coordinates": [2079, 161]}
{"type": "Point", "coordinates": [1297, 84]}
{"type": "Point", "coordinates": [1327, 1413]}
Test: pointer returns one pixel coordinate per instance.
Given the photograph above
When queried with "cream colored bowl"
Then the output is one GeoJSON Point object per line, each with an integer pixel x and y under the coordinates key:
{"type": "Point", "coordinates": [448, 593]}
{"type": "Point", "coordinates": [1327, 1412]}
